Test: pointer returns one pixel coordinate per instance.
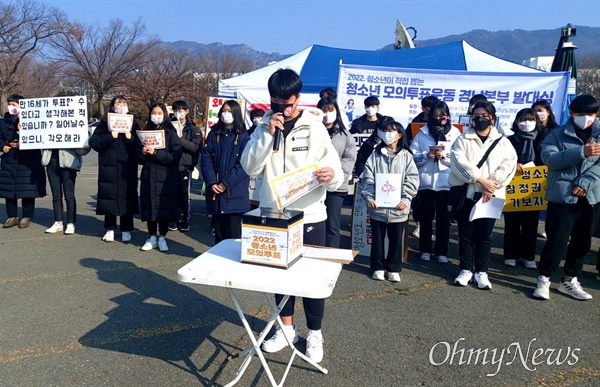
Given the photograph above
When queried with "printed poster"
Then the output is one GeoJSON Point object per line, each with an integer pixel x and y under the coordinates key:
{"type": "Point", "coordinates": [152, 138]}
{"type": "Point", "coordinates": [121, 123]}
{"type": "Point", "coordinates": [388, 189]}
{"type": "Point", "coordinates": [293, 185]}
{"type": "Point", "coordinates": [526, 192]}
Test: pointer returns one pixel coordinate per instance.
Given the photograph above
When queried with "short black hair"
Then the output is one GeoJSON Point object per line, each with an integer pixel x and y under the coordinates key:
{"type": "Point", "coordinates": [238, 117]}
{"type": "Point", "coordinates": [284, 83]}
{"type": "Point", "coordinates": [489, 108]}
{"type": "Point", "coordinates": [256, 113]}
{"type": "Point", "coordinates": [328, 92]}
{"type": "Point", "coordinates": [371, 101]}
{"type": "Point", "coordinates": [429, 101]}
{"type": "Point", "coordinates": [114, 101]}
{"type": "Point", "coordinates": [180, 105]}
{"type": "Point", "coordinates": [477, 98]}
{"type": "Point", "coordinates": [14, 98]}
{"type": "Point", "coordinates": [551, 123]}
{"type": "Point", "coordinates": [584, 104]}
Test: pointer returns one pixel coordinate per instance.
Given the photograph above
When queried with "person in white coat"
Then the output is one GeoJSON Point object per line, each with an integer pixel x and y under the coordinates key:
{"type": "Point", "coordinates": [431, 152]}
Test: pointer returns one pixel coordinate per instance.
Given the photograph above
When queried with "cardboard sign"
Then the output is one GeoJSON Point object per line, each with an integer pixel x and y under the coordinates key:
{"type": "Point", "coordinates": [152, 138]}
{"type": "Point", "coordinates": [53, 123]}
{"type": "Point", "coordinates": [293, 185]}
{"type": "Point", "coordinates": [178, 127]}
{"type": "Point", "coordinates": [121, 123]}
{"type": "Point", "coordinates": [526, 192]}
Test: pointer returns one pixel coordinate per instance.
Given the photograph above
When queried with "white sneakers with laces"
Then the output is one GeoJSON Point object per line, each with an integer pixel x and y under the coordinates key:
{"type": "Point", "coordinates": [378, 275]}
{"type": "Point", "coordinates": [442, 259]}
{"type": "Point", "coordinates": [151, 243]}
{"type": "Point", "coordinates": [573, 288]}
{"type": "Point", "coordinates": [425, 257]}
{"type": "Point", "coordinates": [56, 227]}
{"type": "Point", "coordinates": [314, 345]}
{"type": "Point", "coordinates": [162, 244]}
{"type": "Point", "coordinates": [393, 276]}
{"type": "Point", "coordinates": [464, 277]}
{"type": "Point", "coordinates": [542, 290]}
{"type": "Point", "coordinates": [70, 229]}
{"type": "Point", "coordinates": [510, 262]}
{"type": "Point", "coordinates": [109, 236]}
{"type": "Point", "coordinates": [277, 342]}
{"type": "Point", "coordinates": [125, 236]}
{"type": "Point", "coordinates": [483, 281]}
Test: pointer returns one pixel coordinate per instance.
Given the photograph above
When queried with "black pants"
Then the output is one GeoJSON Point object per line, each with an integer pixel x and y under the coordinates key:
{"type": "Point", "coordinates": [395, 234]}
{"type": "Point", "coordinates": [434, 204]}
{"type": "Point", "coordinates": [27, 211]}
{"type": "Point", "coordinates": [110, 222]}
{"type": "Point", "coordinates": [161, 226]}
{"type": "Point", "coordinates": [314, 308]}
{"type": "Point", "coordinates": [564, 220]}
{"type": "Point", "coordinates": [333, 202]}
{"type": "Point", "coordinates": [474, 240]}
{"type": "Point", "coordinates": [62, 181]}
{"type": "Point", "coordinates": [227, 226]}
{"type": "Point", "coordinates": [520, 234]}
{"type": "Point", "coordinates": [185, 179]}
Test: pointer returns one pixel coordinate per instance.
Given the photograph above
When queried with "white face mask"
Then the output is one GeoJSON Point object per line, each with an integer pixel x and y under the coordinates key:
{"type": "Point", "coordinates": [542, 116]}
{"type": "Point", "coordinates": [387, 137]}
{"type": "Point", "coordinates": [330, 117]}
{"type": "Point", "coordinates": [526, 126]}
{"type": "Point", "coordinates": [13, 110]}
{"type": "Point", "coordinates": [156, 119]}
{"type": "Point", "coordinates": [180, 115]}
{"type": "Point", "coordinates": [583, 122]}
{"type": "Point", "coordinates": [256, 121]}
{"type": "Point", "coordinates": [121, 110]}
{"type": "Point", "coordinates": [371, 111]}
{"type": "Point", "coordinates": [227, 118]}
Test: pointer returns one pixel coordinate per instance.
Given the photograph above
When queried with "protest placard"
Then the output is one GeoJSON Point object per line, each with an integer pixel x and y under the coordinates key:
{"type": "Point", "coordinates": [152, 138]}
{"type": "Point", "coordinates": [293, 185]}
{"type": "Point", "coordinates": [526, 191]}
{"type": "Point", "coordinates": [121, 123]}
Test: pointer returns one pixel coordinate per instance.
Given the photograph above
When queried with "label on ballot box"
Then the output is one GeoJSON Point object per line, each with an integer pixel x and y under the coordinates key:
{"type": "Point", "coordinates": [272, 237]}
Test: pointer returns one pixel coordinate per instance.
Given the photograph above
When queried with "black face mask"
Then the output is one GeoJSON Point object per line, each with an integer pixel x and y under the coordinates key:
{"type": "Point", "coordinates": [286, 108]}
{"type": "Point", "coordinates": [481, 123]}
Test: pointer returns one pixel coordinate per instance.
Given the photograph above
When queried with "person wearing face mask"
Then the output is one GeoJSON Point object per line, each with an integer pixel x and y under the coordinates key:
{"type": "Point", "coordinates": [520, 228]}
{"type": "Point", "coordinates": [572, 154]}
{"type": "Point", "coordinates": [480, 144]}
{"type": "Point", "coordinates": [159, 180]}
{"type": "Point", "coordinates": [303, 140]}
{"type": "Point", "coordinates": [367, 123]}
{"type": "Point", "coordinates": [227, 195]}
{"type": "Point", "coordinates": [343, 142]}
{"type": "Point", "coordinates": [544, 111]}
{"type": "Point", "coordinates": [117, 173]}
{"type": "Point", "coordinates": [431, 149]}
{"type": "Point", "coordinates": [191, 140]}
{"type": "Point", "coordinates": [22, 175]}
{"type": "Point", "coordinates": [255, 115]}
{"type": "Point", "coordinates": [392, 156]}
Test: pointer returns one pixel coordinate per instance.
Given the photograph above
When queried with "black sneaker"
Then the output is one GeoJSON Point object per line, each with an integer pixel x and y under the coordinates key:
{"type": "Point", "coordinates": [184, 226]}
{"type": "Point", "coordinates": [172, 226]}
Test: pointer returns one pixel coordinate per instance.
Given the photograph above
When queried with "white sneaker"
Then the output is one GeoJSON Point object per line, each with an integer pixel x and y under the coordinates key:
{"type": "Point", "coordinates": [543, 288]}
{"type": "Point", "coordinates": [442, 259]}
{"type": "Point", "coordinates": [543, 235]}
{"type": "Point", "coordinates": [109, 236]}
{"type": "Point", "coordinates": [464, 277]}
{"type": "Point", "coordinates": [425, 257]}
{"type": "Point", "coordinates": [417, 232]}
{"type": "Point", "coordinates": [510, 262]}
{"type": "Point", "coordinates": [393, 276]}
{"type": "Point", "coordinates": [482, 280]}
{"type": "Point", "coordinates": [70, 229]}
{"type": "Point", "coordinates": [150, 244]}
{"type": "Point", "coordinates": [314, 345]}
{"type": "Point", "coordinates": [277, 342]}
{"type": "Point", "coordinates": [530, 264]}
{"type": "Point", "coordinates": [573, 288]}
{"type": "Point", "coordinates": [378, 275]}
{"type": "Point", "coordinates": [162, 244]}
{"type": "Point", "coordinates": [56, 227]}
{"type": "Point", "coordinates": [125, 236]}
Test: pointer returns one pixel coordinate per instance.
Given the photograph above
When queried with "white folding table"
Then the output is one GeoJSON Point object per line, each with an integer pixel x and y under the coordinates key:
{"type": "Point", "coordinates": [222, 266]}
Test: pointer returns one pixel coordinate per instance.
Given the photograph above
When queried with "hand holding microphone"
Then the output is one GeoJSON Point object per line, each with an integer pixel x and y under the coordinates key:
{"type": "Point", "coordinates": [276, 125]}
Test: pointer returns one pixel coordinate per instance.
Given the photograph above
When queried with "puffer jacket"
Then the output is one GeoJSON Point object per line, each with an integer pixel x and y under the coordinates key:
{"type": "Point", "coordinates": [433, 174]}
{"type": "Point", "coordinates": [400, 163]}
{"type": "Point", "coordinates": [466, 153]}
{"type": "Point", "coordinates": [562, 152]}
{"type": "Point", "coordinates": [191, 141]}
{"type": "Point", "coordinates": [343, 142]}
{"type": "Point", "coordinates": [308, 142]}
{"type": "Point", "coordinates": [67, 158]}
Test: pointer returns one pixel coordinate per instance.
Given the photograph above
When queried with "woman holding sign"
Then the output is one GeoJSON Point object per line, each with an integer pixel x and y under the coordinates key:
{"type": "Point", "coordinates": [227, 195]}
{"type": "Point", "coordinates": [389, 170]}
{"type": "Point", "coordinates": [117, 172]}
{"type": "Point", "coordinates": [22, 175]}
{"type": "Point", "coordinates": [159, 189]}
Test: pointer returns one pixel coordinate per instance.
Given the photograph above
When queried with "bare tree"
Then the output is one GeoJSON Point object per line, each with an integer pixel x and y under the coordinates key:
{"type": "Point", "coordinates": [588, 75]}
{"type": "Point", "coordinates": [24, 25]}
{"type": "Point", "coordinates": [165, 77]}
{"type": "Point", "coordinates": [103, 56]}
{"type": "Point", "coordinates": [39, 79]}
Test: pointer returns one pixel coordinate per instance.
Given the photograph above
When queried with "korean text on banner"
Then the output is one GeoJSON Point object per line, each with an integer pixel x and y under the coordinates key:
{"type": "Point", "coordinates": [401, 90]}
{"type": "Point", "coordinates": [53, 123]}
{"type": "Point", "coordinates": [526, 191]}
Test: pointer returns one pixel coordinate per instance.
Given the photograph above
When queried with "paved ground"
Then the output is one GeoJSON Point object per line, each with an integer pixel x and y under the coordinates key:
{"type": "Point", "coordinates": [77, 311]}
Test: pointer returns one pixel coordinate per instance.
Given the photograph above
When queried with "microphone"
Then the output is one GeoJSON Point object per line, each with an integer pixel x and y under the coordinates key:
{"type": "Point", "coordinates": [276, 141]}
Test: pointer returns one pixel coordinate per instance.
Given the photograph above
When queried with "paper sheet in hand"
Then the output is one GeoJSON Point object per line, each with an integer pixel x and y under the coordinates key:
{"type": "Point", "coordinates": [387, 189]}
{"type": "Point", "coordinates": [152, 138]}
{"type": "Point", "coordinates": [121, 123]}
{"type": "Point", "coordinates": [293, 185]}
{"type": "Point", "coordinates": [178, 127]}
{"type": "Point", "coordinates": [491, 209]}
